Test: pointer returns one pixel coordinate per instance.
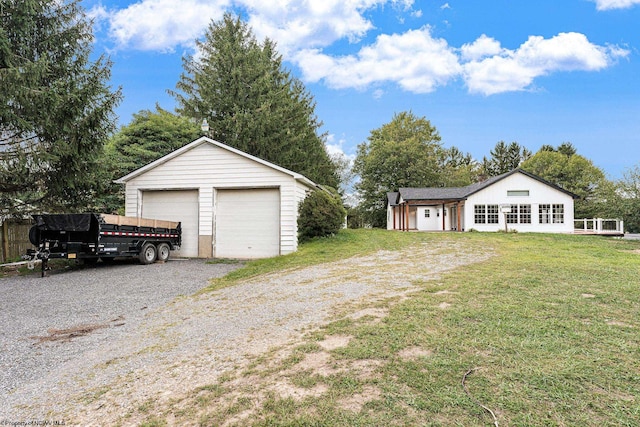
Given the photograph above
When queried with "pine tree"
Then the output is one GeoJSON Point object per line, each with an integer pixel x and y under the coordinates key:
{"type": "Point", "coordinates": [56, 109]}
{"type": "Point", "coordinates": [505, 158]}
{"type": "Point", "coordinates": [251, 102]}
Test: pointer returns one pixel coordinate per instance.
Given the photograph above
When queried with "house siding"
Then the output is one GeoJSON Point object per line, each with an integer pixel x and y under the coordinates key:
{"type": "Point", "coordinates": [207, 168]}
{"type": "Point", "coordinates": [539, 193]}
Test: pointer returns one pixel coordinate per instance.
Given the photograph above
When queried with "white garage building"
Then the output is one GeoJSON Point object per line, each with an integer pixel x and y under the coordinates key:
{"type": "Point", "coordinates": [230, 204]}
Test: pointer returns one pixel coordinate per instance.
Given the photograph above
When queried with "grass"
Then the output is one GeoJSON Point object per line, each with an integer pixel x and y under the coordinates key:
{"type": "Point", "coordinates": [551, 327]}
{"type": "Point", "coordinates": [345, 244]}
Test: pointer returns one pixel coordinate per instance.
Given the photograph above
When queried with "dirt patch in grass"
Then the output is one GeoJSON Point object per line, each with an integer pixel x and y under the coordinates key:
{"type": "Point", "coordinates": [335, 341]}
{"type": "Point", "coordinates": [375, 313]}
{"type": "Point", "coordinates": [414, 353]}
{"type": "Point", "coordinates": [356, 401]}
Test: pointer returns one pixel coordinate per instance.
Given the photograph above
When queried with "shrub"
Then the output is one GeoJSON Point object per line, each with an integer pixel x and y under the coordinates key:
{"type": "Point", "coordinates": [321, 214]}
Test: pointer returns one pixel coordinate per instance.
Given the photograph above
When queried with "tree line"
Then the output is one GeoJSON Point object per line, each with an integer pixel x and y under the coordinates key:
{"type": "Point", "coordinates": [60, 151]}
{"type": "Point", "coordinates": [408, 152]}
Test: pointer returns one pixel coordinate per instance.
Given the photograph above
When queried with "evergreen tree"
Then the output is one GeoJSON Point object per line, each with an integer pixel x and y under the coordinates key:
{"type": "Point", "coordinates": [505, 158]}
{"type": "Point", "coordinates": [56, 109]}
{"type": "Point", "coordinates": [251, 102]}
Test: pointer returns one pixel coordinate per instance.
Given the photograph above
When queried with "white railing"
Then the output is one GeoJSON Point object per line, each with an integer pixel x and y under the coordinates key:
{"type": "Point", "coordinates": [599, 226]}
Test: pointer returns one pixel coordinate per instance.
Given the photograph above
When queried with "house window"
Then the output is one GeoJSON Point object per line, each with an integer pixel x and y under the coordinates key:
{"type": "Point", "coordinates": [518, 193]}
{"type": "Point", "coordinates": [486, 214]}
{"type": "Point", "coordinates": [480, 214]}
{"type": "Point", "coordinates": [544, 212]}
{"type": "Point", "coordinates": [427, 213]}
{"type": "Point", "coordinates": [525, 214]}
{"type": "Point", "coordinates": [520, 214]}
{"type": "Point", "coordinates": [558, 214]}
{"type": "Point", "coordinates": [512, 217]}
{"type": "Point", "coordinates": [551, 214]}
{"type": "Point", "coordinates": [492, 214]}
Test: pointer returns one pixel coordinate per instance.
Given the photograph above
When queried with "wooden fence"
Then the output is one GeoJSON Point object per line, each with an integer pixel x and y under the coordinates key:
{"type": "Point", "coordinates": [14, 239]}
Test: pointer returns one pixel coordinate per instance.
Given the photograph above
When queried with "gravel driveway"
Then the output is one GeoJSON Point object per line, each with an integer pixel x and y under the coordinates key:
{"type": "Point", "coordinates": [167, 349]}
{"type": "Point", "coordinates": [48, 322]}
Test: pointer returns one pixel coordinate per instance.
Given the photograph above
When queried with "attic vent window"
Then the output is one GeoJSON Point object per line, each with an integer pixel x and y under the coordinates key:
{"type": "Point", "coordinates": [518, 193]}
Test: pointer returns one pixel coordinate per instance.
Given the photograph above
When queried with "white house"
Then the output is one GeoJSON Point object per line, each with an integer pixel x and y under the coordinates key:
{"type": "Point", "coordinates": [517, 200]}
{"type": "Point", "coordinates": [231, 204]}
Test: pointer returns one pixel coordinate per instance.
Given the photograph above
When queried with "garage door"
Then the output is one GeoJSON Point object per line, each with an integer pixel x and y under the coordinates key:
{"type": "Point", "coordinates": [247, 223]}
{"type": "Point", "coordinates": [175, 206]}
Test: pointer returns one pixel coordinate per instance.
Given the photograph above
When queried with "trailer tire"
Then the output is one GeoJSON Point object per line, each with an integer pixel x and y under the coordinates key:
{"type": "Point", "coordinates": [148, 254]}
{"type": "Point", "coordinates": [34, 235]}
{"type": "Point", "coordinates": [163, 252]}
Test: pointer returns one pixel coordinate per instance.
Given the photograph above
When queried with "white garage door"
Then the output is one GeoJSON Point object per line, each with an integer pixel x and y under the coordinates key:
{"type": "Point", "coordinates": [247, 223]}
{"type": "Point", "coordinates": [180, 206]}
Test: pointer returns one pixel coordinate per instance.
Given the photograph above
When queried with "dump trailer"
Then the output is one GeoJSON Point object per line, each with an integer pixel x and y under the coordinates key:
{"type": "Point", "coordinates": [88, 237]}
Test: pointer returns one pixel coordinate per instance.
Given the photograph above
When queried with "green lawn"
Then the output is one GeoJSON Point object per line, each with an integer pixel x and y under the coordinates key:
{"type": "Point", "coordinates": [550, 327]}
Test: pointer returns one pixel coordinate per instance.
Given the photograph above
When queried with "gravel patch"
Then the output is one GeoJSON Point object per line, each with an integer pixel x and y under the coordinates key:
{"type": "Point", "coordinates": [51, 322]}
{"type": "Point", "coordinates": [189, 342]}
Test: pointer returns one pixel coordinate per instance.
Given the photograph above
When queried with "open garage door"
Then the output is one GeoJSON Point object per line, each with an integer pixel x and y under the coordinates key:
{"type": "Point", "coordinates": [180, 205]}
{"type": "Point", "coordinates": [247, 223]}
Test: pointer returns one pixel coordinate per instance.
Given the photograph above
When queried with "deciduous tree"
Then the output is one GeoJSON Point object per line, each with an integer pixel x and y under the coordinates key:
{"type": "Point", "coordinates": [574, 173]}
{"type": "Point", "coordinates": [628, 207]}
{"type": "Point", "coordinates": [149, 136]}
{"type": "Point", "coordinates": [405, 152]}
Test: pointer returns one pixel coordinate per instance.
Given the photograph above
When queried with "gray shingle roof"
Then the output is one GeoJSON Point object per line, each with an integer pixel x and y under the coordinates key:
{"type": "Point", "coordinates": [460, 193]}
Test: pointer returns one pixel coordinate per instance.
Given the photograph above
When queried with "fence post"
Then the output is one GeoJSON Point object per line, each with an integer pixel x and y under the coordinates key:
{"type": "Point", "coordinates": [5, 240]}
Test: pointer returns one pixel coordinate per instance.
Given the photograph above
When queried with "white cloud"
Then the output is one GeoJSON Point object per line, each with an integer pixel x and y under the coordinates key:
{"type": "Point", "coordinates": [513, 70]}
{"type": "Point", "coordinates": [159, 25]}
{"type": "Point", "coordinates": [162, 25]}
{"type": "Point", "coordinates": [482, 47]}
{"type": "Point", "coordinates": [309, 23]}
{"type": "Point", "coordinates": [615, 4]}
{"type": "Point", "coordinates": [445, 6]}
{"type": "Point", "coordinates": [414, 60]}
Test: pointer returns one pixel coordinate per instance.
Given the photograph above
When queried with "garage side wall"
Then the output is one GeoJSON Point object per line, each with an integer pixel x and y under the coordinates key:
{"type": "Point", "coordinates": [208, 168]}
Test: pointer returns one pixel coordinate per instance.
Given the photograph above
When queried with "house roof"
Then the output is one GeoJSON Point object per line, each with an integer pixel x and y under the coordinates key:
{"type": "Point", "coordinates": [461, 193]}
{"type": "Point", "coordinates": [206, 140]}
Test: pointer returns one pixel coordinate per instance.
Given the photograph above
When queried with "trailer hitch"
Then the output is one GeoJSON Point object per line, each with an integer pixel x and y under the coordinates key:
{"type": "Point", "coordinates": [42, 254]}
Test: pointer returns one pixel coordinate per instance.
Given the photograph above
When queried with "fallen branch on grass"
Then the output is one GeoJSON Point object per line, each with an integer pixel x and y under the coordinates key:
{"type": "Point", "coordinates": [464, 386]}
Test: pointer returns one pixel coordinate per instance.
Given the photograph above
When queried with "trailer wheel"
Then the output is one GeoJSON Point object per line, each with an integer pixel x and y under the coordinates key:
{"type": "Point", "coordinates": [34, 235]}
{"type": "Point", "coordinates": [163, 252]}
{"type": "Point", "coordinates": [148, 254]}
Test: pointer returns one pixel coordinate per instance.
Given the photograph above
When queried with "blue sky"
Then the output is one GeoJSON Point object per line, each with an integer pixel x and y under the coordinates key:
{"type": "Point", "coordinates": [535, 72]}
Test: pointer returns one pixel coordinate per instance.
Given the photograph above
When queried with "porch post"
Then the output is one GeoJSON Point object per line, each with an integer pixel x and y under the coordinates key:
{"type": "Point", "coordinates": [393, 212]}
{"type": "Point", "coordinates": [406, 213]}
{"type": "Point", "coordinates": [458, 216]}
{"type": "Point", "coordinates": [444, 214]}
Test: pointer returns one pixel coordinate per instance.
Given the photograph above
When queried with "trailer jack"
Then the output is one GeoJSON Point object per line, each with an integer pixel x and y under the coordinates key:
{"type": "Point", "coordinates": [33, 255]}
